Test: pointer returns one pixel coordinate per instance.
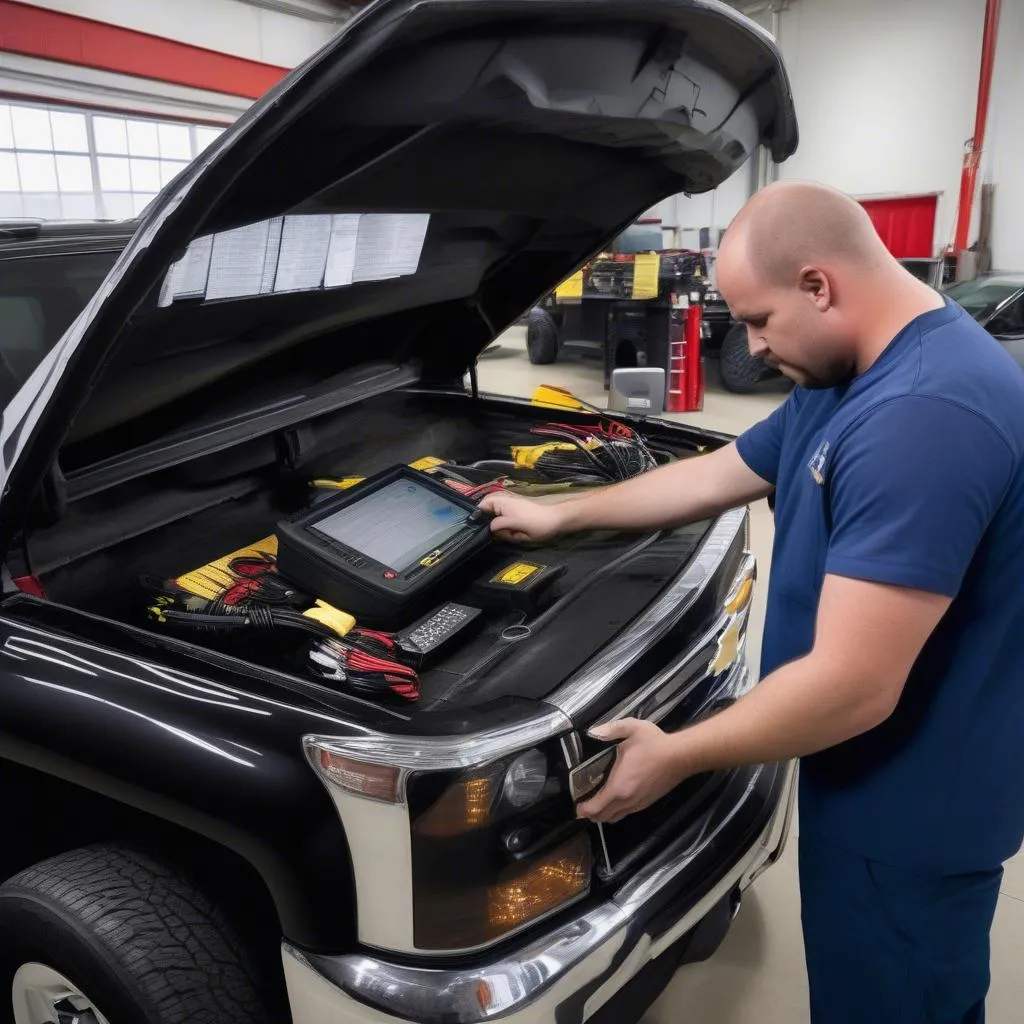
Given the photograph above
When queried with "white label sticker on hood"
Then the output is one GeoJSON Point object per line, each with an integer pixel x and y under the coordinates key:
{"type": "Point", "coordinates": [305, 252]}
{"type": "Point", "coordinates": [341, 256]}
{"type": "Point", "coordinates": [187, 278]}
{"type": "Point", "coordinates": [390, 245]}
{"type": "Point", "coordinates": [303, 257]}
{"type": "Point", "coordinates": [239, 259]}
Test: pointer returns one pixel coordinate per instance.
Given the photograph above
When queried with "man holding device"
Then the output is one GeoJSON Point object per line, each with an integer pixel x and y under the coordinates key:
{"type": "Point", "coordinates": [891, 660]}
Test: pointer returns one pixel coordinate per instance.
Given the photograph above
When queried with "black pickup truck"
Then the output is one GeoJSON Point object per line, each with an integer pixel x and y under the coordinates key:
{"type": "Point", "coordinates": [202, 825]}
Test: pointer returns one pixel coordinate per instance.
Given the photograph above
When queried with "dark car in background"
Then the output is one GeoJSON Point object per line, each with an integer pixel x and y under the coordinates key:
{"type": "Point", "coordinates": [219, 806]}
{"type": "Point", "coordinates": [996, 301]}
{"type": "Point", "coordinates": [48, 273]}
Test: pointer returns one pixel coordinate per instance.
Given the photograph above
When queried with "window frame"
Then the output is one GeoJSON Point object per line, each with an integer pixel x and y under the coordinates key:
{"type": "Point", "coordinates": [107, 204]}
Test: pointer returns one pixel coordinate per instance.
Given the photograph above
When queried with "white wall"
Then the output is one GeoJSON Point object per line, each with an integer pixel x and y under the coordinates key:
{"type": "Point", "coordinates": [1003, 158]}
{"type": "Point", "coordinates": [885, 94]}
{"type": "Point", "coordinates": [683, 216]}
{"type": "Point", "coordinates": [226, 26]}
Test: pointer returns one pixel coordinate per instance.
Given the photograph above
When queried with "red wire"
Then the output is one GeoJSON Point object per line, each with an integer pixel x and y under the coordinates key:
{"type": "Point", "coordinates": [610, 429]}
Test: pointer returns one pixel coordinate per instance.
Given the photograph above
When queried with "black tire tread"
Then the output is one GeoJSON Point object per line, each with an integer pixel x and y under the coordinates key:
{"type": "Point", "coordinates": [164, 937]}
{"type": "Point", "coordinates": [541, 337]}
{"type": "Point", "coordinates": [740, 371]}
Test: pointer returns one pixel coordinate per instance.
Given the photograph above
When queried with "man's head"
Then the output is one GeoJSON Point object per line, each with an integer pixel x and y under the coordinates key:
{"type": "Point", "coordinates": [797, 267]}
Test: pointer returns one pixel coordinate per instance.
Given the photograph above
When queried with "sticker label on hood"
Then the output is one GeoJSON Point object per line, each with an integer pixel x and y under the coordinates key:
{"type": "Point", "coordinates": [306, 252]}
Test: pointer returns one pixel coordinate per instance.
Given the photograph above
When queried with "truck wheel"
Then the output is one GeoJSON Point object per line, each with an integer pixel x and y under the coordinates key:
{"type": "Point", "coordinates": [541, 337]}
{"type": "Point", "coordinates": [741, 372]}
{"type": "Point", "coordinates": [106, 935]}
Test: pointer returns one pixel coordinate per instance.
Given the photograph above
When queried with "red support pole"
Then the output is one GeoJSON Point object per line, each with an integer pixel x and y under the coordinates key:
{"type": "Point", "coordinates": [972, 158]}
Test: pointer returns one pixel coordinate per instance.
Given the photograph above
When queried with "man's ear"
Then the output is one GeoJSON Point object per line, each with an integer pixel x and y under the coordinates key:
{"type": "Point", "coordinates": [814, 283]}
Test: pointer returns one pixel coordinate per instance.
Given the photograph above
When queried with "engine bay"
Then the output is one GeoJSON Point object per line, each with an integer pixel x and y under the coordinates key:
{"type": "Point", "coordinates": [191, 553]}
{"type": "Point", "coordinates": [377, 584]}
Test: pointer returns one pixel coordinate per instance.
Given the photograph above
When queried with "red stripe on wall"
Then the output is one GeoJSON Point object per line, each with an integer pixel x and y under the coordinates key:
{"type": "Point", "coordinates": [37, 32]}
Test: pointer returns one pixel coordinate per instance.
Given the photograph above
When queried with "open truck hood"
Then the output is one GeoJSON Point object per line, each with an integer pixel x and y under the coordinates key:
{"type": "Point", "coordinates": [403, 196]}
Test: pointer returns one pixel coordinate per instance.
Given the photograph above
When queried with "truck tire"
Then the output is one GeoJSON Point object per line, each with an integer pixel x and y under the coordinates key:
{"type": "Point", "coordinates": [541, 337]}
{"type": "Point", "coordinates": [741, 372]}
{"type": "Point", "coordinates": [110, 924]}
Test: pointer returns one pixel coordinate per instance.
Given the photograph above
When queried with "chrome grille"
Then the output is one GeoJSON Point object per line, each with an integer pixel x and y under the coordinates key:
{"type": "Point", "coordinates": [708, 676]}
{"type": "Point", "coordinates": [624, 843]}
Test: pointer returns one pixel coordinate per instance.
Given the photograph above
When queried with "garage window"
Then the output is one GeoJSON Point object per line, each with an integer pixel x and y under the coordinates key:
{"type": "Point", "coordinates": [65, 164]}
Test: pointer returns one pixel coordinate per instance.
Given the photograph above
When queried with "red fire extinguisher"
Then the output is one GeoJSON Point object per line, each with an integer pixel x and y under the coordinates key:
{"type": "Point", "coordinates": [694, 376]}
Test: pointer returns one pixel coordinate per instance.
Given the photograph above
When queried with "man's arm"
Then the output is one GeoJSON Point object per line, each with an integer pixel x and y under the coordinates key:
{"type": "Point", "coordinates": [682, 492]}
{"type": "Point", "coordinates": [914, 488]}
{"type": "Point", "coordinates": [868, 636]}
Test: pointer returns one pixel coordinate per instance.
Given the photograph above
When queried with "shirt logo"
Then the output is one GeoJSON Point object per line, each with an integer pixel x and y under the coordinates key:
{"type": "Point", "coordinates": [817, 463]}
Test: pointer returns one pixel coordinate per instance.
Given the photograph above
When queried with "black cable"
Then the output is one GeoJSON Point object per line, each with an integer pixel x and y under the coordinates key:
{"type": "Point", "coordinates": [578, 443]}
{"type": "Point", "coordinates": [254, 617]}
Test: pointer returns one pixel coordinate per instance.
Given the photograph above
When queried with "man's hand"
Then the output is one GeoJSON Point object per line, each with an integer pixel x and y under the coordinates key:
{"type": "Point", "coordinates": [868, 636]}
{"type": "Point", "coordinates": [647, 766]}
{"type": "Point", "coordinates": [522, 520]}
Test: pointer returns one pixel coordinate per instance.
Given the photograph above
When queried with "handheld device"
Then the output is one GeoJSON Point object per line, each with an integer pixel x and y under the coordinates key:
{"type": "Point", "coordinates": [426, 641]}
{"type": "Point", "coordinates": [384, 548]}
{"type": "Point", "coordinates": [588, 778]}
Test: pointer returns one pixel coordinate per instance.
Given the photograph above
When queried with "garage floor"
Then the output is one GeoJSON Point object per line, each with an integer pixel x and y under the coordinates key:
{"type": "Point", "coordinates": [757, 977]}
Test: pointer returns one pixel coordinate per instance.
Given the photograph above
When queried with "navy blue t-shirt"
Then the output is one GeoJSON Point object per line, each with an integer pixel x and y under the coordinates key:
{"type": "Point", "coordinates": [912, 474]}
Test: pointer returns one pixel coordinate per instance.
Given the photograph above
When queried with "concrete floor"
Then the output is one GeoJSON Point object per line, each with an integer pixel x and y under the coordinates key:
{"type": "Point", "coordinates": [757, 977]}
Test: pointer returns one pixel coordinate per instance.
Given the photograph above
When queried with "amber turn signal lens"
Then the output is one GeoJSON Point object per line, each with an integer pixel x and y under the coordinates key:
{"type": "Point", "coordinates": [375, 781]}
{"type": "Point", "coordinates": [557, 878]}
{"type": "Point", "coordinates": [740, 597]}
{"type": "Point", "coordinates": [463, 807]}
{"type": "Point", "coordinates": [457, 915]}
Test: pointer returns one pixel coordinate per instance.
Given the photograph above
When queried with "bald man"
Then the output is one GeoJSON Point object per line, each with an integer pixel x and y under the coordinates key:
{"type": "Point", "coordinates": [893, 655]}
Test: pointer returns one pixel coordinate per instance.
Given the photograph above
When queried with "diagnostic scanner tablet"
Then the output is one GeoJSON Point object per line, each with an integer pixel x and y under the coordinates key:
{"type": "Point", "coordinates": [383, 550]}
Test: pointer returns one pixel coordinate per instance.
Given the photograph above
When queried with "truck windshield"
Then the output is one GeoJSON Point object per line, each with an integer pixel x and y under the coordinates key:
{"type": "Point", "coordinates": [40, 296]}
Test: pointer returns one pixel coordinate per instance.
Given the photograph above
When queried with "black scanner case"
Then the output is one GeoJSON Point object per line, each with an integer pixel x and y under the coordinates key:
{"type": "Point", "coordinates": [378, 594]}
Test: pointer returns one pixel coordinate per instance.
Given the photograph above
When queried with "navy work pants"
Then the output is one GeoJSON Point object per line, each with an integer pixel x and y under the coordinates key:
{"type": "Point", "coordinates": [890, 945]}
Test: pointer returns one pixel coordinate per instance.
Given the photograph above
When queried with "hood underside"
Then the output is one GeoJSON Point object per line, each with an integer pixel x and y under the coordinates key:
{"type": "Point", "coordinates": [453, 159]}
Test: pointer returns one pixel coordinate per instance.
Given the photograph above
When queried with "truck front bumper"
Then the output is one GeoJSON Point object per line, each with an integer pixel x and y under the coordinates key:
{"type": "Point", "coordinates": [570, 973]}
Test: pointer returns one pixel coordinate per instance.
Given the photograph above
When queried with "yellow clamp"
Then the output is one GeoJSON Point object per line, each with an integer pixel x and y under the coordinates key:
{"type": "Point", "coordinates": [547, 395]}
{"type": "Point", "coordinates": [333, 618]}
{"type": "Point", "coordinates": [338, 485]}
{"type": "Point", "coordinates": [527, 457]}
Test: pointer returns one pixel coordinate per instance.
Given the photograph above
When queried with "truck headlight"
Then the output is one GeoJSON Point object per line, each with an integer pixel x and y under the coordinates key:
{"type": "Point", "coordinates": [525, 779]}
{"type": "Point", "coordinates": [493, 849]}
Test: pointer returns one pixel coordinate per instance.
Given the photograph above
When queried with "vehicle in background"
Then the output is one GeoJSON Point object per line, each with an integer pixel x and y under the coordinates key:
{"type": "Point", "coordinates": [48, 272]}
{"type": "Point", "coordinates": [613, 312]}
{"type": "Point", "coordinates": [996, 301]}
